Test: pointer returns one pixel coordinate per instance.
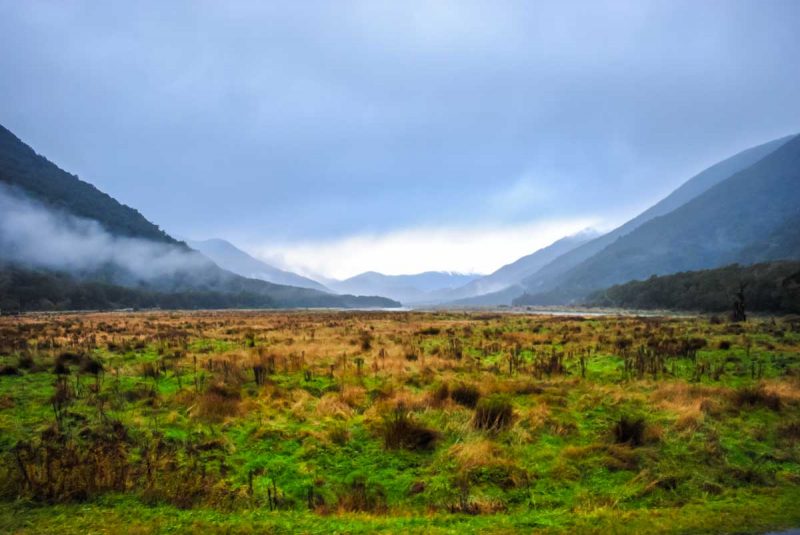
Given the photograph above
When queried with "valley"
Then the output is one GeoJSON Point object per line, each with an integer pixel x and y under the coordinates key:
{"type": "Point", "coordinates": [400, 267]}
{"type": "Point", "coordinates": [425, 422]}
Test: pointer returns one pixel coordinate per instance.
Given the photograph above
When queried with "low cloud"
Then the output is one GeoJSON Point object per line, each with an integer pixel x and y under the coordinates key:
{"type": "Point", "coordinates": [464, 250]}
{"type": "Point", "coordinates": [35, 235]}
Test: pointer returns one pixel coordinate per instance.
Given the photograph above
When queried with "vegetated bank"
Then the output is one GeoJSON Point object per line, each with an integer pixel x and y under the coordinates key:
{"type": "Point", "coordinates": [772, 287]}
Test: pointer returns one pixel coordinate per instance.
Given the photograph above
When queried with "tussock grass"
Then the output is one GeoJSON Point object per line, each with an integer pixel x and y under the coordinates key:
{"type": "Point", "coordinates": [309, 421]}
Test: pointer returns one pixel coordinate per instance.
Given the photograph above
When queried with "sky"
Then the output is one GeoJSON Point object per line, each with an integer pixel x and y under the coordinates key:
{"type": "Point", "coordinates": [340, 137]}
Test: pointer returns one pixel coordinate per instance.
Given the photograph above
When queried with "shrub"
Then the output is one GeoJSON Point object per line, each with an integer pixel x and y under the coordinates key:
{"type": "Point", "coordinates": [218, 402]}
{"type": "Point", "coordinates": [91, 366]}
{"type": "Point", "coordinates": [466, 395]}
{"type": "Point", "coordinates": [429, 331]}
{"type": "Point", "coordinates": [493, 413]}
{"type": "Point", "coordinates": [68, 357]}
{"type": "Point", "coordinates": [366, 339]}
{"type": "Point", "coordinates": [441, 394]}
{"type": "Point", "coordinates": [756, 396]}
{"type": "Point", "coordinates": [339, 435]}
{"type": "Point", "coordinates": [400, 431]}
{"type": "Point", "coordinates": [8, 370]}
{"type": "Point", "coordinates": [25, 362]}
{"type": "Point", "coordinates": [630, 430]}
{"type": "Point", "coordinates": [789, 430]}
{"type": "Point", "coordinates": [150, 370]}
{"type": "Point", "coordinates": [361, 495]}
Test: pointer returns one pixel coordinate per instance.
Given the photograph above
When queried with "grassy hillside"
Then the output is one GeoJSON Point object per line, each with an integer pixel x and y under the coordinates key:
{"type": "Point", "coordinates": [771, 287]}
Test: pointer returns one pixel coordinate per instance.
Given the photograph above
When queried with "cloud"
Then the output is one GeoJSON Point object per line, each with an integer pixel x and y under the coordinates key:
{"type": "Point", "coordinates": [459, 249]}
{"type": "Point", "coordinates": [525, 194]}
{"type": "Point", "coordinates": [315, 120]}
{"type": "Point", "coordinates": [309, 127]}
{"type": "Point", "coordinates": [35, 235]}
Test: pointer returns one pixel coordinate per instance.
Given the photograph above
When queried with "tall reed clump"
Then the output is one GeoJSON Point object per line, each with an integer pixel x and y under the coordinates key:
{"type": "Point", "coordinates": [218, 402]}
{"type": "Point", "coordinates": [466, 395]}
{"type": "Point", "coordinates": [630, 430]}
{"type": "Point", "coordinates": [493, 413]}
{"type": "Point", "coordinates": [401, 431]}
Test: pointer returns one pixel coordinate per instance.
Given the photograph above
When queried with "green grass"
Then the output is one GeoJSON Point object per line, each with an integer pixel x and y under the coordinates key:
{"type": "Point", "coordinates": [705, 464]}
{"type": "Point", "coordinates": [736, 512]}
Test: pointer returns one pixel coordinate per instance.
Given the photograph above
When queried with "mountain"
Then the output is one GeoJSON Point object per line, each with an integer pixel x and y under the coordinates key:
{"type": "Point", "coordinates": [31, 289]}
{"type": "Point", "coordinates": [548, 277]}
{"type": "Point", "coordinates": [228, 256]}
{"type": "Point", "coordinates": [502, 286]}
{"type": "Point", "coordinates": [40, 179]}
{"type": "Point", "coordinates": [408, 289]}
{"type": "Point", "coordinates": [505, 296]}
{"type": "Point", "coordinates": [54, 226]}
{"type": "Point", "coordinates": [752, 216]}
{"type": "Point", "coordinates": [768, 287]}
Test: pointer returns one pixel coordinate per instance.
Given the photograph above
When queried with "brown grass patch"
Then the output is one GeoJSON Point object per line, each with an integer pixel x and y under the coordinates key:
{"type": "Point", "coordinates": [218, 402]}
{"type": "Point", "coordinates": [482, 459]}
{"type": "Point", "coordinates": [332, 406]}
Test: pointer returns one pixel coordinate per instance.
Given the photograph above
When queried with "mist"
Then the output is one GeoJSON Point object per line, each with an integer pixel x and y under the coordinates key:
{"type": "Point", "coordinates": [35, 235]}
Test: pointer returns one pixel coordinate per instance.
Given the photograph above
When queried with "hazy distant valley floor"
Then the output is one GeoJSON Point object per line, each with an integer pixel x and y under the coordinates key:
{"type": "Point", "coordinates": [248, 422]}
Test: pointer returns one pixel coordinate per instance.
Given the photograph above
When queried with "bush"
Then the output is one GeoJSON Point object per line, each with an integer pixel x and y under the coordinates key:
{"type": "Point", "coordinates": [8, 370]}
{"type": "Point", "coordinates": [789, 430]}
{"type": "Point", "coordinates": [219, 402]}
{"type": "Point", "coordinates": [26, 362]}
{"type": "Point", "coordinates": [466, 395]}
{"type": "Point", "coordinates": [91, 366]}
{"type": "Point", "coordinates": [400, 431]}
{"type": "Point", "coordinates": [441, 394]}
{"type": "Point", "coordinates": [493, 413]}
{"type": "Point", "coordinates": [756, 397]}
{"type": "Point", "coordinates": [429, 331]}
{"type": "Point", "coordinates": [630, 430]}
{"type": "Point", "coordinates": [361, 495]}
{"type": "Point", "coordinates": [68, 357]}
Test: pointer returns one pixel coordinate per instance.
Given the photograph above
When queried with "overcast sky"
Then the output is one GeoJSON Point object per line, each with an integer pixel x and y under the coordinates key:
{"type": "Point", "coordinates": [337, 137]}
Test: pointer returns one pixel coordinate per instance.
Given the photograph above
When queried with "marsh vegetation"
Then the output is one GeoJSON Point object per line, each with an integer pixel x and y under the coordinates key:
{"type": "Point", "coordinates": [359, 421]}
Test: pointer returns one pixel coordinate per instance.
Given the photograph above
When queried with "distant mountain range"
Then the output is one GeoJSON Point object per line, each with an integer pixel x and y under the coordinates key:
{"type": "Point", "coordinates": [66, 244]}
{"type": "Point", "coordinates": [408, 289]}
{"type": "Point", "coordinates": [228, 256]}
{"type": "Point", "coordinates": [503, 285]}
{"type": "Point", "coordinates": [743, 211]}
{"type": "Point", "coordinates": [573, 267]}
{"type": "Point", "coordinates": [97, 223]}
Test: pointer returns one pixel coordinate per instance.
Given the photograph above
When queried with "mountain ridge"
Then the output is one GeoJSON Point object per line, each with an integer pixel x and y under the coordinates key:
{"type": "Point", "coordinates": [547, 277]}
{"type": "Point", "coordinates": [228, 256]}
{"type": "Point", "coordinates": [407, 288]}
{"type": "Point", "coordinates": [728, 223]}
{"type": "Point", "coordinates": [502, 285]}
{"type": "Point", "coordinates": [23, 168]}
{"type": "Point", "coordinates": [58, 197]}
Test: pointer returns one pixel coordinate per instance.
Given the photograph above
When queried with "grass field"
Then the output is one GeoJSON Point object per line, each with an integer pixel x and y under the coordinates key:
{"type": "Point", "coordinates": [355, 422]}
